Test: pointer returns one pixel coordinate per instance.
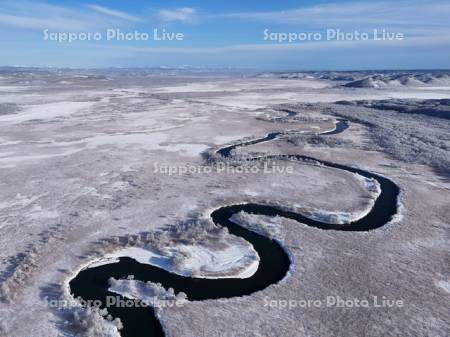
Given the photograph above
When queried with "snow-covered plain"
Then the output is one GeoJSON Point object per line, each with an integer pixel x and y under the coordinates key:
{"type": "Point", "coordinates": [77, 166]}
{"type": "Point", "coordinates": [199, 261]}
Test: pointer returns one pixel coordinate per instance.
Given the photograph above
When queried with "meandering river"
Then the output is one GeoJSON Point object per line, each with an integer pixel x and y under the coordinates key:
{"type": "Point", "coordinates": [92, 283]}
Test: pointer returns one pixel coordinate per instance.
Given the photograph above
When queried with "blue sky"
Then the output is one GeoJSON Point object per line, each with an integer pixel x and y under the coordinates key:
{"type": "Point", "coordinates": [227, 34]}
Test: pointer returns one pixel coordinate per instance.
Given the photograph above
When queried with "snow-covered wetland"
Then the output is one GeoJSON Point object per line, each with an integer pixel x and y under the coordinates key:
{"type": "Point", "coordinates": [118, 183]}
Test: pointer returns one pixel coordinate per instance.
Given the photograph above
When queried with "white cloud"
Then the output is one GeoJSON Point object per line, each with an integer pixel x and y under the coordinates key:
{"type": "Point", "coordinates": [115, 13]}
{"type": "Point", "coordinates": [28, 15]}
{"type": "Point", "coordinates": [419, 13]}
{"type": "Point", "coordinates": [180, 14]}
{"type": "Point", "coordinates": [39, 22]}
{"type": "Point", "coordinates": [38, 16]}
